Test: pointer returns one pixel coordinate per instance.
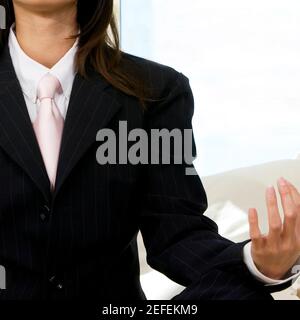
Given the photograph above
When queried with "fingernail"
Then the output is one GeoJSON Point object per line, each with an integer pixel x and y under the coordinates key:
{"type": "Point", "coordinates": [282, 182]}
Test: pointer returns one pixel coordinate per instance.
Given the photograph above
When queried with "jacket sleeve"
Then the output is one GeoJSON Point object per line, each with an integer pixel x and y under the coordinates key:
{"type": "Point", "coordinates": [180, 241]}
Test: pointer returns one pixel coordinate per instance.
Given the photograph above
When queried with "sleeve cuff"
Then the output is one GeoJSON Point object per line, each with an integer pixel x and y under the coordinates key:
{"type": "Point", "coordinates": [258, 275]}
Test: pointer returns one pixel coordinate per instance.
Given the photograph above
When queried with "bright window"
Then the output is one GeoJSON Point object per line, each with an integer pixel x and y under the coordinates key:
{"type": "Point", "coordinates": [243, 62]}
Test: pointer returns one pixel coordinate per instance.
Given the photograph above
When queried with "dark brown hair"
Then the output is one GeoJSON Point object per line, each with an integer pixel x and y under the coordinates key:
{"type": "Point", "coordinates": [99, 46]}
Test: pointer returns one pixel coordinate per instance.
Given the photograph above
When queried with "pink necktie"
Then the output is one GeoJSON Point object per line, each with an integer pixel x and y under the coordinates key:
{"type": "Point", "coordinates": [49, 124]}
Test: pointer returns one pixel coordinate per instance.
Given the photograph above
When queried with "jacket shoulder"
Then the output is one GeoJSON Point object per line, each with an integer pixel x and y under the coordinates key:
{"type": "Point", "coordinates": [151, 67]}
{"type": "Point", "coordinates": [159, 78]}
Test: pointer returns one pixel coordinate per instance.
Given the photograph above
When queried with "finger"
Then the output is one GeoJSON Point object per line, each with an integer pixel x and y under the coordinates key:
{"type": "Point", "coordinates": [296, 197]}
{"type": "Point", "coordinates": [294, 192]}
{"type": "Point", "coordinates": [289, 208]}
{"type": "Point", "coordinates": [275, 223]}
{"type": "Point", "coordinates": [255, 233]}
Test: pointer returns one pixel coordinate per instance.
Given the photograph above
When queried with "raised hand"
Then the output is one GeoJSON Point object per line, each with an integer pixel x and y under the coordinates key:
{"type": "Point", "coordinates": [277, 252]}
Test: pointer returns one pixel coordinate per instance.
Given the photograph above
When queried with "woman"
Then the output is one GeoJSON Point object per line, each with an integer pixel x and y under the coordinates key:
{"type": "Point", "coordinates": [68, 225]}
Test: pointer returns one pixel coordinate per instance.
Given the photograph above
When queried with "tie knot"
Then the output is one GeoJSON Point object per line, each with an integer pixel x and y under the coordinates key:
{"type": "Point", "coordinates": [48, 86]}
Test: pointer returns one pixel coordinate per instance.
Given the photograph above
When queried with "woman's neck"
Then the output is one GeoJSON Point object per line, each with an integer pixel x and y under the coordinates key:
{"type": "Point", "coordinates": [43, 35]}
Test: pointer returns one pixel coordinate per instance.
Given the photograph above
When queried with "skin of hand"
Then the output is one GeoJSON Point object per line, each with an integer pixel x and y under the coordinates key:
{"type": "Point", "coordinates": [275, 253]}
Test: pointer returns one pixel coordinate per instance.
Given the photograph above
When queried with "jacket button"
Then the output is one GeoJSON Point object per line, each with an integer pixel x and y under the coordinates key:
{"type": "Point", "coordinates": [59, 286]}
{"type": "Point", "coordinates": [56, 283]}
{"type": "Point", "coordinates": [44, 215]}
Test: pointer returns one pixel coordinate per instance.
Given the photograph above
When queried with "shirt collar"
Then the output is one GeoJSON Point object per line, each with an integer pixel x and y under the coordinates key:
{"type": "Point", "coordinates": [29, 72]}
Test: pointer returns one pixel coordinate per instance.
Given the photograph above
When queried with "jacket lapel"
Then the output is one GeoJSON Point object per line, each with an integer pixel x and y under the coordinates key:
{"type": "Point", "coordinates": [92, 105]}
{"type": "Point", "coordinates": [17, 137]}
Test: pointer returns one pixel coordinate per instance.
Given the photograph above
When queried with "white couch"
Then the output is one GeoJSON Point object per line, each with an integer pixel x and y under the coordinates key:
{"type": "Point", "coordinates": [230, 195]}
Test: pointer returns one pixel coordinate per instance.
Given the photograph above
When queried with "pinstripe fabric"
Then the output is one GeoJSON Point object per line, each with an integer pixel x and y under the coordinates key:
{"type": "Point", "coordinates": [80, 241]}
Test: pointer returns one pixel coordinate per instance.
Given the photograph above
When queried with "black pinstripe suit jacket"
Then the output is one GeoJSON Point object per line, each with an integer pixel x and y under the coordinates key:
{"type": "Point", "coordinates": [80, 241]}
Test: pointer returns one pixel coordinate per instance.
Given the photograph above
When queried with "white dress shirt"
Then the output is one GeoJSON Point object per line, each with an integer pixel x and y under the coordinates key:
{"type": "Point", "coordinates": [29, 73]}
